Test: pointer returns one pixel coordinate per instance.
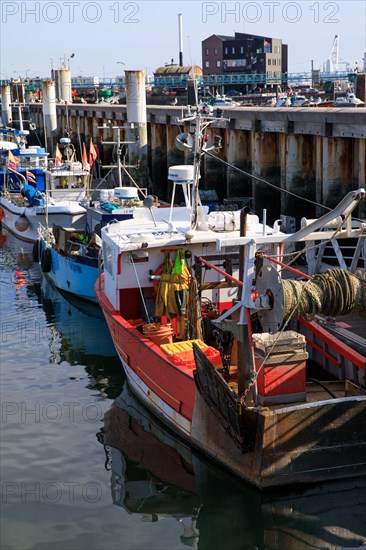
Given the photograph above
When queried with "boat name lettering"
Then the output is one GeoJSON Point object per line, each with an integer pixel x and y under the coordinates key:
{"type": "Point", "coordinates": [74, 267]}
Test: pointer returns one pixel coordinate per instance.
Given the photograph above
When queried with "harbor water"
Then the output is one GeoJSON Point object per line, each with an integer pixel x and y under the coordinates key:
{"type": "Point", "coordinates": [85, 466]}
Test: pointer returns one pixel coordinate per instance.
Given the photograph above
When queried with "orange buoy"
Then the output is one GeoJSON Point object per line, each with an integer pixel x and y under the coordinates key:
{"type": "Point", "coordinates": [22, 223]}
{"type": "Point", "coordinates": [1, 214]}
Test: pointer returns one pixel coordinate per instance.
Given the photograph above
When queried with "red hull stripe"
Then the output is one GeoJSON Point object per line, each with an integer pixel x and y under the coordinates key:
{"type": "Point", "coordinates": [173, 384]}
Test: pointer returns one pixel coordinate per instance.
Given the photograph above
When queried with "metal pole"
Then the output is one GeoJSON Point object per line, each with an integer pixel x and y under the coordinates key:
{"type": "Point", "coordinates": [180, 28]}
{"type": "Point", "coordinates": [243, 344]}
{"type": "Point", "coordinates": [119, 158]}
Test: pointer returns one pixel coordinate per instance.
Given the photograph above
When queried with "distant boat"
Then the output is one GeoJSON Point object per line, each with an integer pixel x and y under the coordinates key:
{"type": "Point", "coordinates": [283, 101]}
{"type": "Point", "coordinates": [223, 101]}
{"type": "Point", "coordinates": [350, 100]}
{"type": "Point", "coordinates": [299, 101]}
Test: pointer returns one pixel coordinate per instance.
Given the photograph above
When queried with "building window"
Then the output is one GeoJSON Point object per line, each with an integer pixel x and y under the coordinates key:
{"type": "Point", "coordinates": [241, 49]}
{"type": "Point", "coordinates": [218, 63]}
{"type": "Point", "coordinates": [226, 50]}
{"type": "Point", "coordinates": [236, 63]}
{"type": "Point", "coordinates": [215, 51]}
{"type": "Point", "coordinates": [270, 62]}
{"type": "Point", "coordinates": [207, 51]}
{"type": "Point", "coordinates": [232, 50]}
{"type": "Point", "coordinates": [207, 64]}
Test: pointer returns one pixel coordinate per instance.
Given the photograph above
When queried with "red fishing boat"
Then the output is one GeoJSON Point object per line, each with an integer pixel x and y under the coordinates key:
{"type": "Point", "coordinates": [206, 328]}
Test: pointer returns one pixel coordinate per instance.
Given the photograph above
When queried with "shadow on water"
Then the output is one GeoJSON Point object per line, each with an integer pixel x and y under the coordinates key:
{"type": "Point", "coordinates": [155, 475]}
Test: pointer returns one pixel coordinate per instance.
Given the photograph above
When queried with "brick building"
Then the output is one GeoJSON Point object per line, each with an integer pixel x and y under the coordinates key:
{"type": "Point", "coordinates": [245, 54]}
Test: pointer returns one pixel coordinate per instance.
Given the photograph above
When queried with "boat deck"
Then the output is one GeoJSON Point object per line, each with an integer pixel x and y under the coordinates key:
{"type": "Point", "coordinates": [315, 391]}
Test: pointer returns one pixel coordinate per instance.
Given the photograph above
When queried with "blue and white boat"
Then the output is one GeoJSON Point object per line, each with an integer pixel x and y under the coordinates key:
{"type": "Point", "coordinates": [69, 257]}
{"type": "Point", "coordinates": [31, 158]}
{"type": "Point", "coordinates": [70, 262]}
{"type": "Point", "coordinates": [25, 204]}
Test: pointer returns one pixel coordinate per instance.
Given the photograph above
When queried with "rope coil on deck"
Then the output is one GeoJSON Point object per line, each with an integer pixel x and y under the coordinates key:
{"type": "Point", "coordinates": [333, 293]}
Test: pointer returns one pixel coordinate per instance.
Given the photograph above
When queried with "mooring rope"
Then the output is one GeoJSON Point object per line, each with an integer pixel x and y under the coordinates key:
{"type": "Point", "coordinates": [333, 293]}
{"type": "Point", "coordinates": [194, 315]}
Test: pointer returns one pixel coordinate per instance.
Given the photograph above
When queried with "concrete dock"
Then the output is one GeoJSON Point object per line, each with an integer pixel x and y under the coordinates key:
{"type": "Point", "coordinates": [318, 153]}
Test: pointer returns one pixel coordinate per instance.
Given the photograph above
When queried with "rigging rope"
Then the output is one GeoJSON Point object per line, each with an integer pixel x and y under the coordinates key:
{"type": "Point", "coordinates": [333, 293]}
{"type": "Point", "coordinates": [322, 294]}
{"type": "Point", "coordinates": [261, 180]}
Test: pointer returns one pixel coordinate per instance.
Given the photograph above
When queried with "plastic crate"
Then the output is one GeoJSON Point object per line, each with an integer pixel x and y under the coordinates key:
{"type": "Point", "coordinates": [181, 354]}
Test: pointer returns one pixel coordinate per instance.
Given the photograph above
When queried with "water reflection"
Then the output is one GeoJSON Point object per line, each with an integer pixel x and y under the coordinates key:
{"type": "Point", "coordinates": [155, 475]}
{"type": "Point", "coordinates": [74, 331]}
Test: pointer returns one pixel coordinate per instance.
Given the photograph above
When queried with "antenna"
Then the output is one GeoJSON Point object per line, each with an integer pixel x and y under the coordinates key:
{"type": "Point", "coordinates": [194, 73]}
{"type": "Point", "coordinates": [180, 30]}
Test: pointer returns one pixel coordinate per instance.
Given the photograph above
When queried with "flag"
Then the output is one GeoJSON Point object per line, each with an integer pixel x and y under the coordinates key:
{"type": "Point", "coordinates": [58, 156]}
{"type": "Point", "coordinates": [30, 177]}
{"type": "Point", "coordinates": [84, 158]}
{"type": "Point", "coordinates": [92, 153]}
{"type": "Point", "coordinates": [12, 161]}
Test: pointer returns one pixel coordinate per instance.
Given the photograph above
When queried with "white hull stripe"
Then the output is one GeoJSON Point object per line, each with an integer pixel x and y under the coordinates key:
{"type": "Point", "coordinates": [155, 403]}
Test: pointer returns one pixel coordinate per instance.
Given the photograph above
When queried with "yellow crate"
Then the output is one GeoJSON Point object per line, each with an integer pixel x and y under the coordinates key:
{"type": "Point", "coordinates": [179, 347]}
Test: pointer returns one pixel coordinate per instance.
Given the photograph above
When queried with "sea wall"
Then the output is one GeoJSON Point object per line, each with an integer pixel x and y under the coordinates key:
{"type": "Point", "coordinates": [318, 153]}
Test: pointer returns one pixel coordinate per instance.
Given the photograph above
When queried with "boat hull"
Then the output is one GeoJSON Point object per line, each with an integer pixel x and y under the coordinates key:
{"type": "Point", "coordinates": [64, 215]}
{"type": "Point", "coordinates": [288, 444]}
{"type": "Point", "coordinates": [302, 443]}
{"type": "Point", "coordinates": [72, 276]}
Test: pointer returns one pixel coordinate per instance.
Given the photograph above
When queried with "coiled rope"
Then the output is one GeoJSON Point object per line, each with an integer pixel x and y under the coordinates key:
{"type": "Point", "coordinates": [333, 293]}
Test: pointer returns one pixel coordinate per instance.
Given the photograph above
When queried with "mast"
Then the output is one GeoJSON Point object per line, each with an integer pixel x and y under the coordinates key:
{"type": "Point", "coordinates": [196, 172]}
{"type": "Point", "coordinates": [202, 119]}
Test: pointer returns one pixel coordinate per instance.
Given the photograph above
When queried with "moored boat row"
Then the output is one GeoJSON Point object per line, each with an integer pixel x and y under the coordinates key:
{"type": "Point", "coordinates": [212, 337]}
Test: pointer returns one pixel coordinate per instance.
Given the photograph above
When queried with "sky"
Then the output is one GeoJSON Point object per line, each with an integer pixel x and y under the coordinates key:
{"type": "Point", "coordinates": [109, 36]}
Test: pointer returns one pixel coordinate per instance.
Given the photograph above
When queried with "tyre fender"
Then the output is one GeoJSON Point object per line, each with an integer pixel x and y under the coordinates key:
{"type": "Point", "coordinates": [46, 260]}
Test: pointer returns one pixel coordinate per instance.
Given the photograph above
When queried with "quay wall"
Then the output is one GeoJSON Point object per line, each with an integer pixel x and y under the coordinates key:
{"type": "Point", "coordinates": [318, 153]}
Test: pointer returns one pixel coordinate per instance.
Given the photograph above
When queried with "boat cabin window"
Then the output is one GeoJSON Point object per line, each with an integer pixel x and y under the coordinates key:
{"type": "Point", "coordinates": [66, 182]}
{"type": "Point", "coordinates": [107, 258]}
{"type": "Point", "coordinates": [32, 162]}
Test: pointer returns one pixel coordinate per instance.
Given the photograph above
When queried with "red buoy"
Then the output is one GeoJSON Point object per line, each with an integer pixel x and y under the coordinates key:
{"type": "Point", "coordinates": [22, 223]}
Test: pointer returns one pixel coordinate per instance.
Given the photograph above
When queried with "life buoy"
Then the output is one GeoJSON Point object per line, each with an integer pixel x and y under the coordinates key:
{"type": "Point", "coordinates": [36, 251]}
{"type": "Point", "coordinates": [46, 260]}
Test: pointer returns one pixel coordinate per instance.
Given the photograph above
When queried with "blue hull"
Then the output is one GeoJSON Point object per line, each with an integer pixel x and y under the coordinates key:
{"type": "Point", "coordinates": [74, 274]}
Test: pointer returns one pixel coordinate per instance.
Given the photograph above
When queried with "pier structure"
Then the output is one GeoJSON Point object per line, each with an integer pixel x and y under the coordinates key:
{"type": "Point", "coordinates": [49, 121]}
{"type": "Point", "coordinates": [317, 153]}
{"type": "Point", "coordinates": [6, 115]}
{"type": "Point", "coordinates": [136, 130]}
